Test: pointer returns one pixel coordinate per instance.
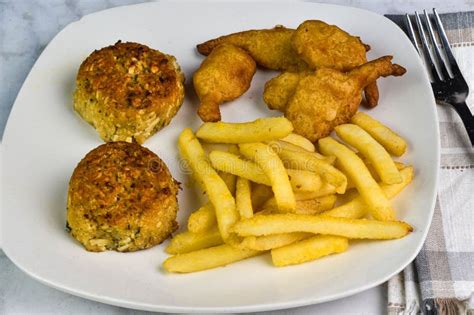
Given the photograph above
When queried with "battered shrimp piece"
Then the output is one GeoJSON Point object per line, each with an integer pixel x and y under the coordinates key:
{"type": "Point", "coordinates": [326, 98]}
{"type": "Point", "coordinates": [270, 48]}
{"type": "Point", "coordinates": [223, 76]}
{"type": "Point", "coordinates": [322, 45]}
{"type": "Point", "coordinates": [279, 90]}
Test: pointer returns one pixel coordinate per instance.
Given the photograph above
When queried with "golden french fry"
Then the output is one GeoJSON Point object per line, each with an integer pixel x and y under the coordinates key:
{"type": "Point", "coordinates": [278, 145]}
{"type": "Point", "coordinates": [379, 158]}
{"type": "Point", "coordinates": [354, 167]}
{"type": "Point", "coordinates": [308, 162]}
{"type": "Point", "coordinates": [309, 249]}
{"type": "Point", "coordinates": [231, 163]}
{"type": "Point", "coordinates": [217, 191]}
{"type": "Point", "coordinates": [350, 228]}
{"type": "Point", "coordinates": [203, 219]}
{"type": "Point", "coordinates": [188, 242]}
{"type": "Point", "coordinates": [300, 141]}
{"type": "Point", "coordinates": [325, 190]}
{"type": "Point", "coordinates": [357, 208]}
{"type": "Point", "coordinates": [207, 258]}
{"type": "Point", "coordinates": [260, 194]}
{"type": "Point", "coordinates": [372, 171]}
{"type": "Point", "coordinates": [263, 129]}
{"type": "Point", "coordinates": [310, 206]}
{"type": "Point", "coordinates": [304, 180]}
{"type": "Point", "coordinates": [243, 202]}
{"type": "Point", "coordinates": [384, 135]}
{"type": "Point", "coordinates": [268, 242]}
{"type": "Point", "coordinates": [273, 168]}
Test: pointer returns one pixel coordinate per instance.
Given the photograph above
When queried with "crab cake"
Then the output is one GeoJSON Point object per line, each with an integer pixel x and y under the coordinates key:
{"type": "Point", "coordinates": [128, 91]}
{"type": "Point", "coordinates": [121, 197]}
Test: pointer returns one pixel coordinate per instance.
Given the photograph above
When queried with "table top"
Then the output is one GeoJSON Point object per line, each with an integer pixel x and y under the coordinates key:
{"type": "Point", "coordinates": [26, 27]}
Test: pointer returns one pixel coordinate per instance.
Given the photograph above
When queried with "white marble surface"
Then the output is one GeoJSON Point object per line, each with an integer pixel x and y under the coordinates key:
{"type": "Point", "coordinates": [26, 27]}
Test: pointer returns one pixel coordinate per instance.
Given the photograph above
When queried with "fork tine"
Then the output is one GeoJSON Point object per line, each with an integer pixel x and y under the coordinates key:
{"type": "Point", "coordinates": [411, 33]}
{"type": "Point", "coordinates": [426, 49]}
{"type": "Point", "coordinates": [446, 46]}
{"type": "Point", "coordinates": [441, 64]}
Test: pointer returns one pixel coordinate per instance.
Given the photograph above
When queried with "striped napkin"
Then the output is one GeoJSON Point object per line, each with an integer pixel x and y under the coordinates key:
{"type": "Point", "coordinates": [441, 278]}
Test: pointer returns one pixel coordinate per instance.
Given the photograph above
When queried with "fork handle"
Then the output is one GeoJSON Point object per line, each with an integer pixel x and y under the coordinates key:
{"type": "Point", "coordinates": [466, 116]}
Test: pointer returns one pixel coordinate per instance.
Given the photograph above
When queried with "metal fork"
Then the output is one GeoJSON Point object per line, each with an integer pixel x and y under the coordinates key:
{"type": "Point", "coordinates": [448, 89]}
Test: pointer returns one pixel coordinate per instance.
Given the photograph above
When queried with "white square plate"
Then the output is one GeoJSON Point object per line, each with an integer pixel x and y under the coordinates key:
{"type": "Point", "coordinates": [44, 140]}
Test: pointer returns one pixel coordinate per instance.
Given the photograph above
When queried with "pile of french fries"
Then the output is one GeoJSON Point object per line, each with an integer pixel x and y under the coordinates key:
{"type": "Point", "coordinates": [270, 190]}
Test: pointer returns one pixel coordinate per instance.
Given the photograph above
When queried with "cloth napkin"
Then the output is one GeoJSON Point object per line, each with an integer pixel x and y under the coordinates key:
{"type": "Point", "coordinates": [441, 278]}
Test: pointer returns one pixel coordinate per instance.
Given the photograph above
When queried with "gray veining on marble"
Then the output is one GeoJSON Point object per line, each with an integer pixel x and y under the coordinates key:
{"type": "Point", "coordinates": [26, 27]}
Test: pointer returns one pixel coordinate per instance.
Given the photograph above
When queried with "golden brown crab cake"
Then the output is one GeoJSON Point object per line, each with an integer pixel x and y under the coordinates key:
{"type": "Point", "coordinates": [128, 91]}
{"type": "Point", "coordinates": [121, 197]}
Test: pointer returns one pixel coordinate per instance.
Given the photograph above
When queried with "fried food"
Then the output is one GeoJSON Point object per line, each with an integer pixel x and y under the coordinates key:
{"type": "Point", "coordinates": [309, 162]}
{"type": "Point", "coordinates": [322, 45]}
{"type": "Point", "coordinates": [299, 141]}
{"type": "Point", "coordinates": [203, 219]}
{"type": "Point", "coordinates": [309, 249]}
{"type": "Point", "coordinates": [188, 241]}
{"type": "Point", "coordinates": [274, 169]}
{"type": "Point", "coordinates": [357, 208]}
{"type": "Point", "coordinates": [223, 76]}
{"type": "Point", "coordinates": [259, 130]}
{"type": "Point", "coordinates": [377, 203]}
{"type": "Point", "coordinates": [207, 258]}
{"type": "Point", "coordinates": [309, 206]}
{"type": "Point", "coordinates": [372, 150]}
{"type": "Point", "coordinates": [279, 90]}
{"type": "Point", "coordinates": [243, 201]}
{"type": "Point", "coordinates": [392, 142]}
{"type": "Point", "coordinates": [350, 228]}
{"type": "Point", "coordinates": [270, 48]}
{"type": "Point", "coordinates": [268, 242]}
{"type": "Point", "coordinates": [216, 189]}
{"type": "Point", "coordinates": [128, 91]}
{"type": "Point", "coordinates": [327, 98]}
{"type": "Point", "coordinates": [121, 197]}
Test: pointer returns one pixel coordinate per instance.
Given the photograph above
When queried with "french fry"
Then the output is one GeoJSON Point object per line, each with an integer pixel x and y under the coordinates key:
{"type": "Point", "coordinates": [372, 150]}
{"type": "Point", "coordinates": [203, 219]}
{"type": "Point", "coordinates": [243, 202]}
{"type": "Point", "coordinates": [207, 258]}
{"type": "Point", "coordinates": [384, 135]}
{"type": "Point", "coordinates": [304, 180]}
{"type": "Point", "coordinates": [278, 145]}
{"type": "Point", "coordinates": [325, 190]}
{"type": "Point", "coordinates": [217, 191]}
{"type": "Point", "coordinates": [231, 163]}
{"type": "Point", "coordinates": [260, 130]}
{"type": "Point", "coordinates": [372, 171]}
{"type": "Point", "coordinates": [300, 141]}
{"type": "Point", "coordinates": [310, 206]}
{"type": "Point", "coordinates": [188, 242]}
{"type": "Point", "coordinates": [260, 194]}
{"type": "Point", "coordinates": [350, 228]}
{"type": "Point", "coordinates": [376, 201]}
{"type": "Point", "coordinates": [305, 161]}
{"type": "Point", "coordinates": [309, 249]}
{"type": "Point", "coordinates": [357, 208]}
{"type": "Point", "coordinates": [273, 168]}
{"type": "Point", "coordinates": [268, 242]}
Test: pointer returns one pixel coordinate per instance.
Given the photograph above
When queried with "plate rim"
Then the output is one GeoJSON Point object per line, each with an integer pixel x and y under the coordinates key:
{"type": "Point", "coordinates": [220, 309]}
